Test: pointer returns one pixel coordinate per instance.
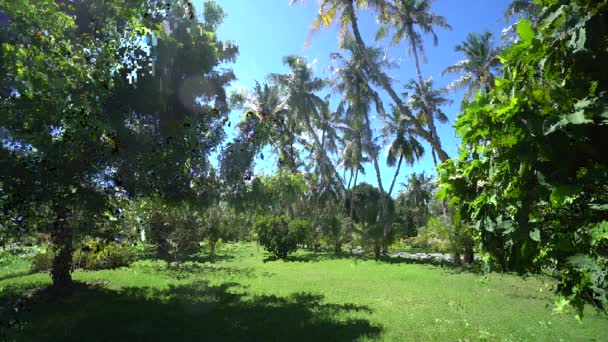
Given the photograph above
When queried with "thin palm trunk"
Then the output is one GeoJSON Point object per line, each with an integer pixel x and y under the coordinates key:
{"type": "Point", "coordinates": [374, 156]}
{"type": "Point", "coordinates": [384, 82]}
{"type": "Point", "coordinates": [349, 178]}
{"type": "Point", "coordinates": [427, 108]}
{"type": "Point", "coordinates": [352, 196]}
{"type": "Point", "coordinates": [390, 190]}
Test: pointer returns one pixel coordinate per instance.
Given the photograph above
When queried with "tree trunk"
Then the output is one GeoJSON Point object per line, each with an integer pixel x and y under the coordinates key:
{"type": "Point", "coordinates": [390, 190]}
{"type": "Point", "coordinates": [352, 196]}
{"type": "Point", "coordinates": [338, 248]}
{"type": "Point", "coordinates": [377, 250]}
{"type": "Point", "coordinates": [443, 156]}
{"type": "Point", "coordinates": [379, 179]}
{"type": "Point", "coordinates": [456, 256]}
{"type": "Point", "coordinates": [427, 109]}
{"type": "Point", "coordinates": [212, 244]}
{"type": "Point", "coordinates": [62, 243]}
{"type": "Point", "coordinates": [469, 256]}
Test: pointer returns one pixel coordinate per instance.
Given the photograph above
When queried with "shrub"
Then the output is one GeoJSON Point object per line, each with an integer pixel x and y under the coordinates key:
{"type": "Point", "coordinates": [43, 261]}
{"type": "Point", "coordinates": [97, 256]}
{"type": "Point", "coordinates": [279, 236]}
{"type": "Point", "coordinates": [176, 231]}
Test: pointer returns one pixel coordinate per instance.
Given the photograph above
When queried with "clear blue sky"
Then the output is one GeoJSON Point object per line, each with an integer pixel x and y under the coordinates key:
{"type": "Point", "coordinates": [267, 30]}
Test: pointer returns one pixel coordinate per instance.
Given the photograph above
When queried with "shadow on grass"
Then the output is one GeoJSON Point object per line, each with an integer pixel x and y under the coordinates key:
{"type": "Point", "coordinates": [189, 269]}
{"type": "Point", "coordinates": [190, 312]}
{"type": "Point", "coordinates": [16, 274]}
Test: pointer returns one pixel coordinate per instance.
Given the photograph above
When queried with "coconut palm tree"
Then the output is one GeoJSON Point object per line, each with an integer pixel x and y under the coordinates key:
{"type": "Point", "coordinates": [268, 105]}
{"type": "Point", "coordinates": [305, 106]}
{"type": "Point", "coordinates": [426, 102]}
{"type": "Point", "coordinates": [480, 59]}
{"type": "Point", "coordinates": [410, 19]}
{"type": "Point", "coordinates": [345, 13]}
{"type": "Point", "coordinates": [358, 98]}
{"type": "Point", "coordinates": [353, 158]}
{"type": "Point", "coordinates": [403, 144]}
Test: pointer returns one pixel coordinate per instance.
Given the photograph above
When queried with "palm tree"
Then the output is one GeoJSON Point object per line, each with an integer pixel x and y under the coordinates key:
{"type": "Point", "coordinates": [411, 18]}
{"type": "Point", "coordinates": [270, 106]}
{"type": "Point", "coordinates": [426, 102]}
{"type": "Point", "coordinates": [305, 106]}
{"type": "Point", "coordinates": [358, 98]}
{"type": "Point", "coordinates": [344, 11]}
{"type": "Point", "coordinates": [403, 146]}
{"type": "Point", "coordinates": [476, 68]}
{"type": "Point", "coordinates": [353, 158]}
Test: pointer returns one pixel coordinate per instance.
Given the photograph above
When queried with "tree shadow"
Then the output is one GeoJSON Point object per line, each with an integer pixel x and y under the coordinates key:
{"type": "Point", "coordinates": [16, 274]}
{"type": "Point", "coordinates": [190, 312]}
{"type": "Point", "coordinates": [189, 269]}
{"type": "Point", "coordinates": [203, 257]}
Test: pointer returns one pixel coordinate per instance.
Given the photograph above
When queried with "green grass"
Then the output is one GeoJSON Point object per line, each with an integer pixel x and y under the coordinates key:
{"type": "Point", "coordinates": [314, 297]}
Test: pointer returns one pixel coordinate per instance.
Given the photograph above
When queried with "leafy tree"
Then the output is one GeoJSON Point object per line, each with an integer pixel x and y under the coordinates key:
{"type": "Point", "coordinates": [367, 205]}
{"type": "Point", "coordinates": [530, 175]}
{"type": "Point", "coordinates": [56, 136]}
{"type": "Point", "coordinates": [413, 203]}
{"type": "Point", "coordinates": [279, 235]}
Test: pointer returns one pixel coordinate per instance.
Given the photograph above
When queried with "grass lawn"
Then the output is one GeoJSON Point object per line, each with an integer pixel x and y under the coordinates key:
{"type": "Point", "coordinates": [314, 297]}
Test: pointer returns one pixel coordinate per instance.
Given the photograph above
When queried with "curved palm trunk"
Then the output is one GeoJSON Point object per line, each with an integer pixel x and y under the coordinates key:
{"type": "Point", "coordinates": [350, 10]}
{"type": "Point", "coordinates": [379, 179]}
{"type": "Point", "coordinates": [390, 190]}
{"type": "Point", "coordinates": [427, 109]}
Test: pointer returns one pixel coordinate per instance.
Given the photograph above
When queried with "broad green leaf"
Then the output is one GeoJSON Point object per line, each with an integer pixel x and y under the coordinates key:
{"type": "Point", "coordinates": [525, 31]}
{"type": "Point", "coordinates": [576, 118]}
{"type": "Point", "coordinates": [535, 235]}
{"type": "Point", "coordinates": [598, 232]}
{"type": "Point", "coordinates": [564, 194]}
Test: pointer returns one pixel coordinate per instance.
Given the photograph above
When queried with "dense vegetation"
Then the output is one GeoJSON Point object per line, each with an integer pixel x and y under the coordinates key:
{"type": "Point", "coordinates": [111, 111]}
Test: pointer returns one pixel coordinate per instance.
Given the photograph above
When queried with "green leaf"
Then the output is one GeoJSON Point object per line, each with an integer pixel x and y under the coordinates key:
{"type": "Point", "coordinates": [564, 194]}
{"type": "Point", "coordinates": [525, 31]}
{"type": "Point", "coordinates": [598, 232]}
{"type": "Point", "coordinates": [576, 118]}
{"type": "Point", "coordinates": [535, 235]}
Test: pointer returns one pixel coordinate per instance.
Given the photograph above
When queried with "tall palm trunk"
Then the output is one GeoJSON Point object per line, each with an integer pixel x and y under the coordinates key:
{"type": "Point", "coordinates": [427, 109]}
{"type": "Point", "coordinates": [374, 156]}
{"type": "Point", "coordinates": [390, 190]}
{"type": "Point", "coordinates": [352, 197]}
{"type": "Point", "coordinates": [349, 178]}
{"type": "Point", "coordinates": [384, 82]}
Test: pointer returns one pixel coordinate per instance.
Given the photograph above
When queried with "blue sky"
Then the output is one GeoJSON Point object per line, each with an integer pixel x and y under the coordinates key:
{"type": "Point", "coordinates": [267, 30]}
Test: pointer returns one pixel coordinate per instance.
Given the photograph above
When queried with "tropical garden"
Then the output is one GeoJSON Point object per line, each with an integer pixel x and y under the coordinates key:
{"type": "Point", "coordinates": [131, 207]}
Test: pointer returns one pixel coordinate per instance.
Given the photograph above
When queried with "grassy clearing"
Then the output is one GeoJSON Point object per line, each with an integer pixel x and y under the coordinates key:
{"type": "Point", "coordinates": [240, 297]}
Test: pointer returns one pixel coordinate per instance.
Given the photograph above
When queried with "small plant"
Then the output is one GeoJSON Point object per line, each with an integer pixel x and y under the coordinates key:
{"type": "Point", "coordinates": [43, 261]}
{"type": "Point", "coordinates": [280, 236]}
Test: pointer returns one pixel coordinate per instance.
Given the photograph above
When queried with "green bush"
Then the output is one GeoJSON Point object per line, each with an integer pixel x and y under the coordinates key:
{"type": "Point", "coordinates": [280, 236]}
{"type": "Point", "coordinates": [97, 256]}
{"type": "Point", "coordinates": [43, 261]}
